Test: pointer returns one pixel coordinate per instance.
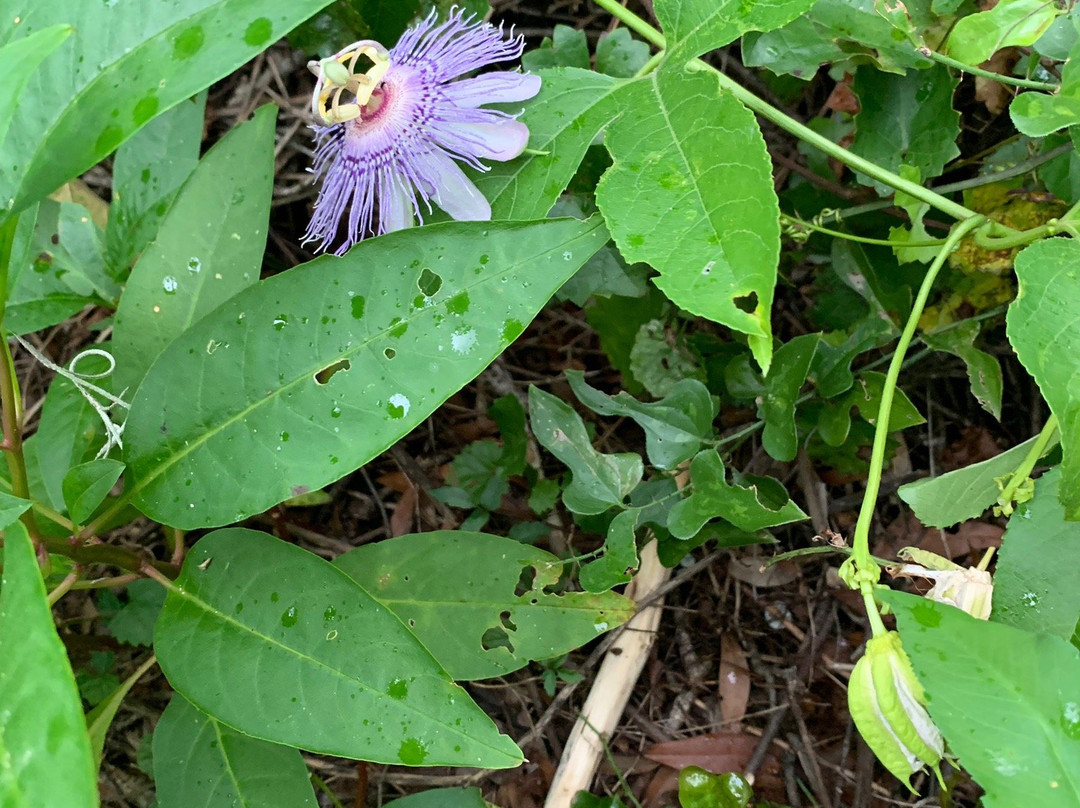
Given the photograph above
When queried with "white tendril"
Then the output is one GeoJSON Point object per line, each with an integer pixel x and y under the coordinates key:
{"type": "Point", "coordinates": [91, 392]}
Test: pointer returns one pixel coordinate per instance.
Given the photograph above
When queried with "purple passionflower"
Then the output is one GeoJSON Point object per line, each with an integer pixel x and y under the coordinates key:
{"type": "Point", "coordinates": [389, 137]}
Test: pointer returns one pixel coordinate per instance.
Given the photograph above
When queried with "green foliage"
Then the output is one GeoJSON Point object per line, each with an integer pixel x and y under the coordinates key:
{"type": "Point", "coordinates": [209, 246]}
{"type": "Point", "coordinates": [45, 756]}
{"type": "Point", "coordinates": [1038, 114]}
{"type": "Point", "coordinates": [1043, 329]}
{"type": "Point", "coordinates": [675, 427]}
{"type": "Point", "coordinates": [85, 486]}
{"type": "Point", "coordinates": [339, 673]}
{"type": "Point", "coordinates": [1033, 585]}
{"type": "Point", "coordinates": [750, 503]}
{"type": "Point", "coordinates": [286, 348]}
{"type": "Point", "coordinates": [965, 493]}
{"type": "Point", "coordinates": [200, 761]}
{"type": "Point", "coordinates": [19, 60]}
{"type": "Point", "coordinates": [984, 370]}
{"type": "Point", "coordinates": [132, 622]}
{"type": "Point", "coordinates": [982, 677]}
{"type": "Point", "coordinates": [148, 170]}
{"type": "Point", "coordinates": [442, 798]}
{"type": "Point", "coordinates": [121, 68]}
{"type": "Point", "coordinates": [566, 47]}
{"type": "Point", "coordinates": [786, 377]}
{"type": "Point", "coordinates": [696, 26]}
{"type": "Point", "coordinates": [1008, 23]}
{"type": "Point", "coordinates": [710, 229]}
{"type": "Point", "coordinates": [600, 481]}
{"type": "Point", "coordinates": [906, 120]}
{"type": "Point", "coordinates": [452, 587]}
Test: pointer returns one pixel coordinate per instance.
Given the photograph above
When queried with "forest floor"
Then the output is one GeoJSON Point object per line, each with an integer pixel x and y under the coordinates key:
{"type": "Point", "coordinates": [749, 669]}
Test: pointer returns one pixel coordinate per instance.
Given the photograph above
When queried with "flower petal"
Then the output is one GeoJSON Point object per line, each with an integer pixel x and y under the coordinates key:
{"type": "Point", "coordinates": [502, 140]}
{"type": "Point", "coordinates": [395, 207]}
{"type": "Point", "coordinates": [493, 88]}
{"type": "Point", "coordinates": [454, 192]}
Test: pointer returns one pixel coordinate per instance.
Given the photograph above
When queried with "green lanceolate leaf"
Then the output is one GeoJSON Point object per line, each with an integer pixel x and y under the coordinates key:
{"type": "Point", "coordinates": [1034, 581]}
{"type": "Point", "coordinates": [11, 508]}
{"type": "Point", "coordinates": [57, 267]}
{"type": "Point", "coordinates": [693, 27]}
{"type": "Point", "coordinates": [18, 61]}
{"type": "Point", "coordinates": [302, 378]}
{"type": "Point", "coordinates": [983, 369]}
{"type": "Point", "coordinates": [572, 107]}
{"type": "Point", "coordinates": [1008, 701]}
{"type": "Point", "coordinates": [754, 504]}
{"type": "Point", "coordinates": [126, 63]}
{"type": "Point", "coordinates": [443, 798]}
{"type": "Point", "coordinates": [278, 643]}
{"type": "Point", "coordinates": [85, 486]}
{"type": "Point", "coordinates": [601, 481]}
{"type": "Point", "coordinates": [691, 193]}
{"type": "Point", "coordinates": [1018, 23]}
{"type": "Point", "coordinates": [45, 754]}
{"type": "Point", "coordinates": [782, 386]}
{"type": "Point", "coordinates": [675, 426]}
{"type": "Point", "coordinates": [147, 172]}
{"type": "Point", "coordinates": [210, 246]}
{"type": "Point", "coordinates": [1043, 325]}
{"type": "Point", "coordinates": [453, 587]}
{"type": "Point", "coordinates": [101, 717]}
{"type": "Point", "coordinates": [906, 120]}
{"type": "Point", "coordinates": [962, 494]}
{"type": "Point", "coordinates": [198, 761]}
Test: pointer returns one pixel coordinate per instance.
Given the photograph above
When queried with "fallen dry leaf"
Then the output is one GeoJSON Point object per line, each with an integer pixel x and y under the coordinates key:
{"type": "Point", "coordinates": [401, 520]}
{"type": "Point", "coordinates": [734, 681]}
{"type": "Point", "coordinates": [749, 570]}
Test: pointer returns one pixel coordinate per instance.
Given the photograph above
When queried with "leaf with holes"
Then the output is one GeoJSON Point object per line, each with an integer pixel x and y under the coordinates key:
{"type": "Point", "coordinates": [600, 481]}
{"type": "Point", "coordinates": [45, 754]}
{"type": "Point", "coordinates": [209, 247]}
{"type": "Point", "coordinates": [1043, 325]}
{"type": "Point", "coordinates": [198, 761]}
{"type": "Point", "coordinates": [280, 644]}
{"type": "Point", "coordinates": [307, 375]}
{"type": "Point", "coordinates": [453, 587]}
{"type": "Point", "coordinates": [126, 63]}
{"type": "Point", "coordinates": [691, 193]}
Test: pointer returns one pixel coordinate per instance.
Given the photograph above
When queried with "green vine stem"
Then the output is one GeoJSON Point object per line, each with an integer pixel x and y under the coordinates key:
{"type": "Point", "coordinates": [988, 74]}
{"type": "Point", "coordinates": [860, 544]}
{"type": "Point", "coordinates": [1023, 471]}
{"type": "Point", "coordinates": [10, 399]}
{"type": "Point", "coordinates": [797, 224]}
{"type": "Point", "coordinates": [794, 127]}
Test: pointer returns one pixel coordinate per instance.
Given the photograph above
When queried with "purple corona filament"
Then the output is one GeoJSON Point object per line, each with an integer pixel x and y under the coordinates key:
{"type": "Point", "coordinates": [410, 120]}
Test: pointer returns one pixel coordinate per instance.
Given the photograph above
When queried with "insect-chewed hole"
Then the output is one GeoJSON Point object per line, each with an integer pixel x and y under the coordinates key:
{"type": "Point", "coordinates": [429, 283]}
{"type": "Point", "coordinates": [327, 373]}
{"type": "Point", "coordinates": [747, 303]}
{"type": "Point", "coordinates": [525, 581]}
{"type": "Point", "coordinates": [507, 623]}
{"type": "Point", "coordinates": [389, 353]}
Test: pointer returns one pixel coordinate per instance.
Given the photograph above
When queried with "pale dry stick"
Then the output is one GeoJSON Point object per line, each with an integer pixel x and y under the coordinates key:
{"type": "Point", "coordinates": [611, 689]}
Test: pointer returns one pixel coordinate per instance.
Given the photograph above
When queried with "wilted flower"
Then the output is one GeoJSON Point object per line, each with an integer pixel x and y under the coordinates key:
{"type": "Point", "coordinates": [388, 137]}
{"type": "Point", "coordinates": [967, 588]}
{"type": "Point", "coordinates": [887, 703]}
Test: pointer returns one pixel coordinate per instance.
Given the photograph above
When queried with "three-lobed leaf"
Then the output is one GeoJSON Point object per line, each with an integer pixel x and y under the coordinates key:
{"type": "Point", "coordinates": [282, 645]}
{"type": "Point", "coordinates": [45, 756]}
{"type": "Point", "coordinates": [693, 27]}
{"type": "Point", "coordinates": [691, 193]}
{"type": "Point", "coordinates": [304, 377]}
{"type": "Point", "coordinates": [452, 587]}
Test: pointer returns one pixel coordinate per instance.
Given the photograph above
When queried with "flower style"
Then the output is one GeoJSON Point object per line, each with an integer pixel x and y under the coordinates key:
{"type": "Point", "coordinates": [388, 137]}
